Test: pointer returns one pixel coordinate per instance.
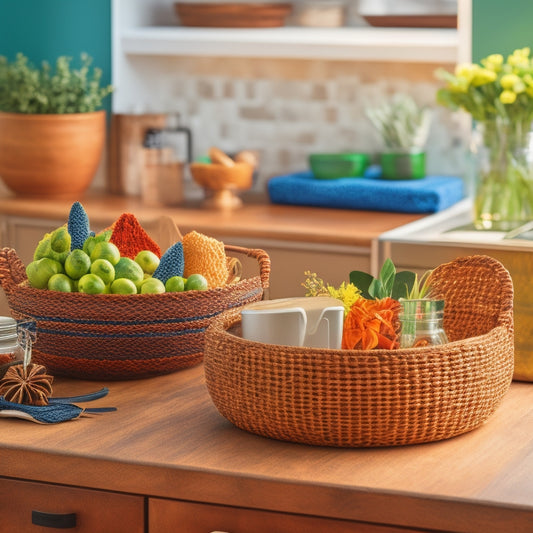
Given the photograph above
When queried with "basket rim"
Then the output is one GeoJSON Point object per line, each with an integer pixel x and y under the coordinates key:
{"type": "Point", "coordinates": [218, 327]}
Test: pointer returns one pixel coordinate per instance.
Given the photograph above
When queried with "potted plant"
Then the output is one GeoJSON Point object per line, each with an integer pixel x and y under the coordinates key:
{"type": "Point", "coordinates": [52, 128]}
{"type": "Point", "coordinates": [403, 127]}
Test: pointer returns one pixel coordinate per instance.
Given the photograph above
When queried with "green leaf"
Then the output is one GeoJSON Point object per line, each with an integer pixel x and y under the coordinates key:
{"type": "Point", "coordinates": [362, 281]}
{"type": "Point", "coordinates": [403, 284]}
{"type": "Point", "coordinates": [386, 277]}
{"type": "Point", "coordinates": [376, 289]}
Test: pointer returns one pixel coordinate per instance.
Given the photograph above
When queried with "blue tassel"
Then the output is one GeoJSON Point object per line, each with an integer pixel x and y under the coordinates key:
{"type": "Point", "coordinates": [78, 226]}
{"type": "Point", "coordinates": [172, 263]}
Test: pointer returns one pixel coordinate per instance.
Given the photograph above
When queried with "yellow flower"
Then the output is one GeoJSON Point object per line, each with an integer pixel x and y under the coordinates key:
{"type": "Point", "coordinates": [493, 62]}
{"type": "Point", "coordinates": [509, 80]}
{"type": "Point", "coordinates": [519, 58]}
{"type": "Point", "coordinates": [466, 71]}
{"type": "Point", "coordinates": [348, 293]}
{"type": "Point", "coordinates": [507, 97]}
{"type": "Point", "coordinates": [483, 76]}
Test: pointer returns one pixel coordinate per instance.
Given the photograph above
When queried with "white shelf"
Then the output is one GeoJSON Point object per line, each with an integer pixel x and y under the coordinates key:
{"type": "Point", "coordinates": [360, 43]}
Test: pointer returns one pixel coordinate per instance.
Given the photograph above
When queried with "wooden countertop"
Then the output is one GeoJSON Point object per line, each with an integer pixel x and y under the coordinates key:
{"type": "Point", "coordinates": [257, 219]}
{"type": "Point", "coordinates": [166, 439]}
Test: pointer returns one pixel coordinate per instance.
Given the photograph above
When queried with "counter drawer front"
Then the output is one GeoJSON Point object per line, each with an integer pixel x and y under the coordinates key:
{"type": "Point", "coordinates": [186, 517]}
{"type": "Point", "coordinates": [57, 508]}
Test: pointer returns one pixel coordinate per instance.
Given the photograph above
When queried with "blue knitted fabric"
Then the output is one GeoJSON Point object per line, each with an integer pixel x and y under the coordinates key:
{"type": "Point", "coordinates": [46, 414]}
{"type": "Point", "coordinates": [426, 195]}
{"type": "Point", "coordinates": [78, 226]}
{"type": "Point", "coordinates": [172, 263]}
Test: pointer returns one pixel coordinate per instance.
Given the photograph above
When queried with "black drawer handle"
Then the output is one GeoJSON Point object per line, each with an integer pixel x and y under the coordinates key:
{"type": "Point", "coordinates": [54, 520]}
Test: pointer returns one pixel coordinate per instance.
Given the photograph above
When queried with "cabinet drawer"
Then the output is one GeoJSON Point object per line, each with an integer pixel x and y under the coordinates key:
{"type": "Point", "coordinates": [186, 517]}
{"type": "Point", "coordinates": [57, 508]}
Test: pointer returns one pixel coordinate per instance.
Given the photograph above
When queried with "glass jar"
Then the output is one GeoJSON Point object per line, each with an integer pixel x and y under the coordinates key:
{"type": "Point", "coordinates": [502, 170]}
{"type": "Point", "coordinates": [422, 323]}
{"type": "Point", "coordinates": [10, 348]}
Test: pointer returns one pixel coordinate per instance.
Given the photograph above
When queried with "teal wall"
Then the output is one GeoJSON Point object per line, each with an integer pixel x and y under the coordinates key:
{"type": "Point", "coordinates": [501, 26]}
{"type": "Point", "coordinates": [47, 29]}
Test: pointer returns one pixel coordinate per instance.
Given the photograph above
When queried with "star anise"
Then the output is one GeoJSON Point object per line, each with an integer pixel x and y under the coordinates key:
{"type": "Point", "coordinates": [30, 386]}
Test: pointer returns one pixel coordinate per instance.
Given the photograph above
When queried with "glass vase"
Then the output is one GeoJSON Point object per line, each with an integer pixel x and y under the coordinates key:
{"type": "Point", "coordinates": [503, 174]}
{"type": "Point", "coordinates": [422, 323]}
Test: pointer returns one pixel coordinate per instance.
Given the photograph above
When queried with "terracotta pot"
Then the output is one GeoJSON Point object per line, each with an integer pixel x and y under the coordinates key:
{"type": "Point", "coordinates": [50, 155]}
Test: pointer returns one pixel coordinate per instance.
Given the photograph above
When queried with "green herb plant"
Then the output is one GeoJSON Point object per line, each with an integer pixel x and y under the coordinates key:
{"type": "Point", "coordinates": [390, 283]}
{"type": "Point", "coordinates": [25, 88]}
{"type": "Point", "coordinates": [401, 123]}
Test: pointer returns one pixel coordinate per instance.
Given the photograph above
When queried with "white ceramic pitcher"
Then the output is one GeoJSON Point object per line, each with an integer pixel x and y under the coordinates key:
{"type": "Point", "coordinates": [315, 322]}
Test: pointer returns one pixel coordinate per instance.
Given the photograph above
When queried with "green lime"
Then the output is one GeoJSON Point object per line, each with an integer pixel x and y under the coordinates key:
{"type": "Point", "coordinates": [147, 260]}
{"type": "Point", "coordinates": [175, 284]}
{"type": "Point", "coordinates": [92, 240]}
{"type": "Point", "coordinates": [39, 272]}
{"type": "Point", "coordinates": [91, 284]}
{"type": "Point", "coordinates": [104, 269]}
{"type": "Point", "coordinates": [106, 250]}
{"type": "Point", "coordinates": [152, 286]}
{"type": "Point", "coordinates": [196, 282]}
{"type": "Point", "coordinates": [60, 282]}
{"type": "Point", "coordinates": [123, 286]}
{"type": "Point", "coordinates": [128, 268]}
{"type": "Point", "coordinates": [77, 264]}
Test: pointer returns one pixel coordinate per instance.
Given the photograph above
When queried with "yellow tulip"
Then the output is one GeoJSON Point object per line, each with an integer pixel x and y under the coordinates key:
{"type": "Point", "coordinates": [509, 80]}
{"type": "Point", "coordinates": [507, 97]}
{"type": "Point", "coordinates": [493, 62]}
{"type": "Point", "coordinates": [483, 76]}
{"type": "Point", "coordinates": [465, 71]}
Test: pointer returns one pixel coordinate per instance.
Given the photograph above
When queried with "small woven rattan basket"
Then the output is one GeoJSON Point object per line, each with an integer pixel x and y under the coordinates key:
{"type": "Point", "coordinates": [111, 336]}
{"type": "Point", "coordinates": [355, 398]}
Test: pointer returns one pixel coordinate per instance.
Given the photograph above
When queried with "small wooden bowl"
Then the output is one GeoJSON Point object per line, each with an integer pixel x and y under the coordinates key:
{"type": "Point", "coordinates": [221, 182]}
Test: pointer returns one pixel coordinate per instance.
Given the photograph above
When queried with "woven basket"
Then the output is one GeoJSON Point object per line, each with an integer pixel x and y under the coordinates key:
{"type": "Point", "coordinates": [111, 336]}
{"type": "Point", "coordinates": [356, 398]}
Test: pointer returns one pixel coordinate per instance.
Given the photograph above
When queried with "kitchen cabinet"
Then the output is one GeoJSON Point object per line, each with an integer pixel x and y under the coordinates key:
{"type": "Point", "coordinates": [439, 238]}
{"type": "Point", "coordinates": [165, 515]}
{"type": "Point", "coordinates": [45, 507]}
{"type": "Point", "coordinates": [166, 458]}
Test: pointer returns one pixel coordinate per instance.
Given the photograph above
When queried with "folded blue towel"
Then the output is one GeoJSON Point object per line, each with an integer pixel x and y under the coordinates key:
{"type": "Point", "coordinates": [426, 195]}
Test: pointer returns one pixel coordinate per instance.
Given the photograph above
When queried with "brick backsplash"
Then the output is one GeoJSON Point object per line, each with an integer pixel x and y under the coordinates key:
{"type": "Point", "coordinates": [287, 109]}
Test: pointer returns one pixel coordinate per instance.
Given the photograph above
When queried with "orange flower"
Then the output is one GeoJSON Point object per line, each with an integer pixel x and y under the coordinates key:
{"type": "Point", "coordinates": [372, 324]}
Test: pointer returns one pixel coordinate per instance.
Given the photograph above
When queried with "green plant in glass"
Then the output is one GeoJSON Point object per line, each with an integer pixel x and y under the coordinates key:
{"type": "Point", "coordinates": [25, 88]}
{"type": "Point", "coordinates": [401, 123]}
{"type": "Point", "coordinates": [403, 126]}
{"type": "Point", "coordinates": [498, 94]}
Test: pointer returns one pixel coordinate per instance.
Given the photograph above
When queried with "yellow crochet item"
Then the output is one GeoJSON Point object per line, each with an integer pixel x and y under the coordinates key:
{"type": "Point", "coordinates": [207, 256]}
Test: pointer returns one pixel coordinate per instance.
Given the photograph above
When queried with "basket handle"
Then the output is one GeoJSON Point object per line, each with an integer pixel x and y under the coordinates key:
{"type": "Point", "coordinates": [261, 256]}
{"type": "Point", "coordinates": [12, 270]}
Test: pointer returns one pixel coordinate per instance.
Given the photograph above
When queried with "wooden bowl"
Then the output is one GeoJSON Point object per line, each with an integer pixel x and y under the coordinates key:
{"type": "Point", "coordinates": [232, 15]}
{"type": "Point", "coordinates": [221, 182]}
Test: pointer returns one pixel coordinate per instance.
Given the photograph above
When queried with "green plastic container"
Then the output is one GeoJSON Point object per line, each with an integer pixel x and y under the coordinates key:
{"type": "Point", "coordinates": [338, 165]}
{"type": "Point", "coordinates": [403, 165]}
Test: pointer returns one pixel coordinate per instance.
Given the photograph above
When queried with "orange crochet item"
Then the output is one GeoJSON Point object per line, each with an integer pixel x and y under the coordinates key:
{"type": "Point", "coordinates": [130, 237]}
{"type": "Point", "coordinates": [207, 256]}
{"type": "Point", "coordinates": [372, 324]}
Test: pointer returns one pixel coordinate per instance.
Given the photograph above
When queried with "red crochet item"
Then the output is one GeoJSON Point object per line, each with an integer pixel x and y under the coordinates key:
{"type": "Point", "coordinates": [130, 237]}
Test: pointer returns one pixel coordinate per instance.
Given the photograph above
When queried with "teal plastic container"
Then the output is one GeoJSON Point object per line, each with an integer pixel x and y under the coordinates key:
{"type": "Point", "coordinates": [338, 165]}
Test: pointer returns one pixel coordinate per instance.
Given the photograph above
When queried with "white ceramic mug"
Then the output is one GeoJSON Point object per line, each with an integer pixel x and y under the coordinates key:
{"type": "Point", "coordinates": [314, 321]}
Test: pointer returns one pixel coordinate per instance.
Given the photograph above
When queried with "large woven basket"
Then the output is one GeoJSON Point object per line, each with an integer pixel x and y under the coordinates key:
{"type": "Point", "coordinates": [111, 336]}
{"type": "Point", "coordinates": [355, 398]}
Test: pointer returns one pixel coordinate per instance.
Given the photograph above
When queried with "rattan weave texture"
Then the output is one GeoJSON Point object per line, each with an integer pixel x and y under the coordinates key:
{"type": "Point", "coordinates": [109, 336]}
{"type": "Point", "coordinates": [355, 398]}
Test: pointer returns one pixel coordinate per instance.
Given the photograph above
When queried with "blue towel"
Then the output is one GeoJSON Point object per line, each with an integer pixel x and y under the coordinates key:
{"type": "Point", "coordinates": [426, 195]}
